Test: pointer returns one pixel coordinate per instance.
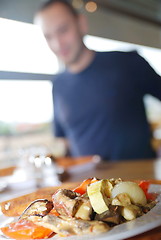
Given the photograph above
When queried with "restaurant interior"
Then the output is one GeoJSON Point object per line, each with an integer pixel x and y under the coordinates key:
{"type": "Point", "coordinates": [27, 66]}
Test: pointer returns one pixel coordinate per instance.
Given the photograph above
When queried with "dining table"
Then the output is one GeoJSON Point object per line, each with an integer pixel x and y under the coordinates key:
{"type": "Point", "coordinates": [78, 169]}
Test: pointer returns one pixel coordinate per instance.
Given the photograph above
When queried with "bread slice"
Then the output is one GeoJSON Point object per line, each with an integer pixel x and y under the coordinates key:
{"type": "Point", "coordinates": [14, 207]}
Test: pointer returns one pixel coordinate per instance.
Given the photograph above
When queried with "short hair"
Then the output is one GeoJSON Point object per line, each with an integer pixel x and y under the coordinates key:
{"type": "Point", "coordinates": [66, 3]}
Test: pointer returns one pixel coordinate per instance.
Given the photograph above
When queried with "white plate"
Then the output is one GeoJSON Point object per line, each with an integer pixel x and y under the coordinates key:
{"type": "Point", "coordinates": [142, 224]}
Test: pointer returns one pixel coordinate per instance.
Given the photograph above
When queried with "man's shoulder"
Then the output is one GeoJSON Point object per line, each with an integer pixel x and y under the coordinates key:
{"type": "Point", "coordinates": [120, 58]}
{"type": "Point", "coordinates": [118, 54]}
{"type": "Point", "coordinates": [59, 76]}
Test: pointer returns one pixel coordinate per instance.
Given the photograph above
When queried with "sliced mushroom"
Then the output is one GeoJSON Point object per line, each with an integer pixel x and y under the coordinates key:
{"type": "Point", "coordinates": [111, 216]}
{"type": "Point", "coordinates": [40, 207]}
{"type": "Point", "coordinates": [66, 202]}
{"type": "Point", "coordinates": [148, 206]}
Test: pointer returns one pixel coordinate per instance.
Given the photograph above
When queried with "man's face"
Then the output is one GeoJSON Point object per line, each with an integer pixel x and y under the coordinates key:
{"type": "Point", "coordinates": [63, 32]}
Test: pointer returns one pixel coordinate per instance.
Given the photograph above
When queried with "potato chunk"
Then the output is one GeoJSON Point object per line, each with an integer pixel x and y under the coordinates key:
{"type": "Point", "coordinates": [85, 210]}
{"type": "Point", "coordinates": [131, 212]}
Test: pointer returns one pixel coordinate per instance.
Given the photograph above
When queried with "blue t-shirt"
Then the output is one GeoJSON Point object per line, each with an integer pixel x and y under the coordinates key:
{"type": "Point", "coordinates": [100, 110]}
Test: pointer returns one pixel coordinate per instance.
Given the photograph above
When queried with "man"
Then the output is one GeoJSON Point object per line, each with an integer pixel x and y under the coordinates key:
{"type": "Point", "coordinates": [98, 99]}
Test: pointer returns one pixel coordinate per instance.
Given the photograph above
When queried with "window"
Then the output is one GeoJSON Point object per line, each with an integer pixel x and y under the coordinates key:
{"type": "Point", "coordinates": [25, 56]}
{"type": "Point", "coordinates": [24, 49]}
{"type": "Point", "coordinates": [24, 105]}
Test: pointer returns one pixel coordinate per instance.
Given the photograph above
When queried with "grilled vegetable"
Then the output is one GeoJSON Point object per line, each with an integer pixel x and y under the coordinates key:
{"type": "Point", "coordinates": [146, 208]}
{"type": "Point", "coordinates": [121, 199]}
{"type": "Point", "coordinates": [82, 188]}
{"type": "Point", "coordinates": [110, 216]}
{"type": "Point", "coordinates": [135, 193]}
{"type": "Point", "coordinates": [145, 186]}
{"type": "Point", "coordinates": [99, 193]}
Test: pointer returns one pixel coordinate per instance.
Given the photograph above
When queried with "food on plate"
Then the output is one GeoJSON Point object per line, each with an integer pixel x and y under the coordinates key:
{"type": "Point", "coordinates": [94, 207]}
{"type": "Point", "coordinates": [66, 202]}
{"type": "Point", "coordinates": [99, 195]}
{"type": "Point", "coordinates": [145, 186]}
{"type": "Point", "coordinates": [135, 193]}
{"type": "Point", "coordinates": [66, 226]}
{"type": "Point", "coordinates": [24, 229]}
{"type": "Point", "coordinates": [39, 208]}
{"type": "Point", "coordinates": [15, 207]}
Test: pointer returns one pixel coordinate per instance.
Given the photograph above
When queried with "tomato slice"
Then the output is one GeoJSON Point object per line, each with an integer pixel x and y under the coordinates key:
{"type": "Point", "coordinates": [145, 186]}
{"type": "Point", "coordinates": [24, 229]}
{"type": "Point", "coordinates": [82, 188]}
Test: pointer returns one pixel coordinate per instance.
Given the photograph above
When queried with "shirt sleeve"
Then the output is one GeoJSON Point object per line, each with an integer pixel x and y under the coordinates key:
{"type": "Point", "coordinates": [150, 81]}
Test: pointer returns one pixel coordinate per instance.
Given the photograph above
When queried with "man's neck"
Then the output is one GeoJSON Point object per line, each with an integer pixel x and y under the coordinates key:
{"type": "Point", "coordinates": [83, 62]}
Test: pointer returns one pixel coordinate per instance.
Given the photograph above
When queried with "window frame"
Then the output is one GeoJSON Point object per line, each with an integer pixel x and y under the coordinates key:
{"type": "Point", "coordinates": [9, 75]}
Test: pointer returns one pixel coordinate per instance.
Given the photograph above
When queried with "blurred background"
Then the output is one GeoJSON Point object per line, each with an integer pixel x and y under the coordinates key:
{"type": "Point", "coordinates": [27, 66]}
